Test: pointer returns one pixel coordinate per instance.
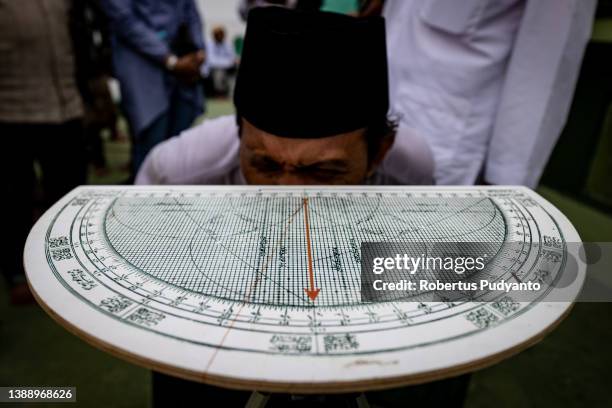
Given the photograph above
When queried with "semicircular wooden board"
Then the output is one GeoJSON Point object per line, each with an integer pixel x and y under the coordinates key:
{"type": "Point", "coordinates": [259, 287]}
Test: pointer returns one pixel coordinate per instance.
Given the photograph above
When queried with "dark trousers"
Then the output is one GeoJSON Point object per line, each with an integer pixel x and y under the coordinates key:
{"type": "Point", "coordinates": [60, 153]}
{"type": "Point", "coordinates": [176, 393]}
{"type": "Point", "coordinates": [179, 116]}
{"type": "Point", "coordinates": [94, 146]}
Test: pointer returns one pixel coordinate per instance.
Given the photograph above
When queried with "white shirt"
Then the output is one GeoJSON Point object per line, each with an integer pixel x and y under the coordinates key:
{"type": "Point", "coordinates": [488, 83]}
{"type": "Point", "coordinates": [220, 55]}
{"type": "Point", "coordinates": [209, 154]}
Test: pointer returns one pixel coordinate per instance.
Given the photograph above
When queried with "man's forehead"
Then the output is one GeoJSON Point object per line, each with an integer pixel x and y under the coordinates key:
{"type": "Point", "coordinates": [301, 151]}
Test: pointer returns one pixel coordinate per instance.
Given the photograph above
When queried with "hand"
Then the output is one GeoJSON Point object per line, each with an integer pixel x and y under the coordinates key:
{"type": "Point", "coordinates": [187, 67]}
{"type": "Point", "coordinates": [200, 56]}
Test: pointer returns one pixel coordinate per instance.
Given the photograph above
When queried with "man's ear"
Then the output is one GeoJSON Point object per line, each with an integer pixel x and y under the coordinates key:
{"type": "Point", "coordinates": [239, 124]}
{"type": "Point", "coordinates": [385, 144]}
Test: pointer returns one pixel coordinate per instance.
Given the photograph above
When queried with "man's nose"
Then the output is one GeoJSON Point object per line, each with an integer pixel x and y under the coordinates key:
{"type": "Point", "coordinates": [292, 179]}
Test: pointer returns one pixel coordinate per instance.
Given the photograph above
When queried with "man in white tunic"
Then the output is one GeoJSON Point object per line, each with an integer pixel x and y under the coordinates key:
{"type": "Point", "coordinates": [488, 83]}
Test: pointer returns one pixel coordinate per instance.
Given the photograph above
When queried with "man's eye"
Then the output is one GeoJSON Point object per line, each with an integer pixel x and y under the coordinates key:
{"type": "Point", "coordinates": [323, 173]}
{"type": "Point", "coordinates": [268, 166]}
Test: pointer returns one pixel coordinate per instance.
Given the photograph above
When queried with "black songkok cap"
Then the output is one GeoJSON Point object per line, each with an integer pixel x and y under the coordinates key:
{"type": "Point", "coordinates": [312, 74]}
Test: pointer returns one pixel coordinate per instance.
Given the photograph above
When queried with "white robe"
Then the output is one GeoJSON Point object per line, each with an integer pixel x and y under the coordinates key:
{"type": "Point", "coordinates": [488, 83]}
{"type": "Point", "coordinates": [209, 154]}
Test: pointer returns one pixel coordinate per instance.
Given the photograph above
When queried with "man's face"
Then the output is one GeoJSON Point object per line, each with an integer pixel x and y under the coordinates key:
{"type": "Point", "coordinates": [269, 159]}
{"type": "Point", "coordinates": [219, 36]}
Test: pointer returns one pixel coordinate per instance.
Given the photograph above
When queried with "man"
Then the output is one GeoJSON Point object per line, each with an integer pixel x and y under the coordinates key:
{"type": "Point", "coordinates": [40, 120]}
{"type": "Point", "coordinates": [220, 63]}
{"type": "Point", "coordinates": [311, 103]}
{"type": "Point", "coordinates": [488, 83]}
{"type": "Point", "coordinates": [311, 109]}
{"type": "Point", "coordinates": [94, 69]}
{"type": "Point", "coordinates": [158, 49]}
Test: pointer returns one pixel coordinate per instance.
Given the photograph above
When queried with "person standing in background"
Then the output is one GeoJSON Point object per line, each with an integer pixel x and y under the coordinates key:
{"type": "Point", "coordinates": [158, 49]}
{"type": "Point", "coordinates": [221, 63]}
{"type": "Point", "coordinates": [94, 70]}
{"type": "Point", "coordinates": [487, 82]}
{"type": "Point", "coordinates": [40, 120]}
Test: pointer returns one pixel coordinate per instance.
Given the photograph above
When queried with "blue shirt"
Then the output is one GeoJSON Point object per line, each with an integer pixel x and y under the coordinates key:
{"type": "Point", "coordinates": [142, 31]}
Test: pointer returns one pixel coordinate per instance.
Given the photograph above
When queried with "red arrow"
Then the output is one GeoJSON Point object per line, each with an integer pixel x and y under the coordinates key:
{"type": "Point", "coordinates": [311, 292]}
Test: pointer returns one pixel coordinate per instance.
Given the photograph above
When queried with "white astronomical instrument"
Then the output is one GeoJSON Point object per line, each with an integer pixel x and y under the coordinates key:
{"type": "Point", "coordinates": [259, 288]}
